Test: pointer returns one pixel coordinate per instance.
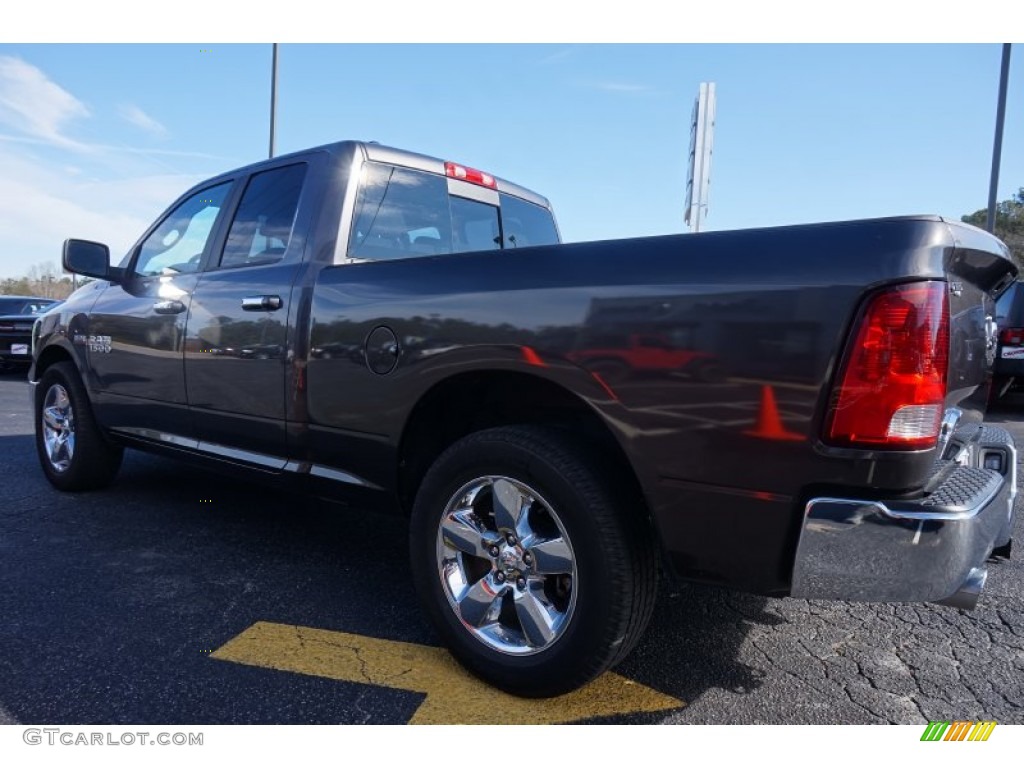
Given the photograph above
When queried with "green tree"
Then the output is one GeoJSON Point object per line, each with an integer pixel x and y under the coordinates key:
{"type": "Point", "coordinates": [42, 280]}
{"type": "Point", "coordinates": [1009, 224]}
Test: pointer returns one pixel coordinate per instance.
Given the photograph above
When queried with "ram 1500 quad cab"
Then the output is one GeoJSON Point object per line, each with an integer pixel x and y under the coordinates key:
{"type": "Point", "coordinates": [359, 319]}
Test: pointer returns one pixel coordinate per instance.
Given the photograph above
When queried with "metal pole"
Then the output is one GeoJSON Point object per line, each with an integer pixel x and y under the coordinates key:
{"type": "Point", "coordinates": [997, 149]}
{"type": "Point", "coordinates": [273, 99]}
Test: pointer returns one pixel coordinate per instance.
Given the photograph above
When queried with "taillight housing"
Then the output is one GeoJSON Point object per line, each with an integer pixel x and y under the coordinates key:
{"type": "Point", "coordinates": [891, 390]}
{"type": "Point", "coordinates": [1012, 337]}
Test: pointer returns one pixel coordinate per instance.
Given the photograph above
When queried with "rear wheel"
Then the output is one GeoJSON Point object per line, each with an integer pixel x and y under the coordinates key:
{"type": "Point", "coordinates": [527, 563]}
{"type": "Point", "coordinates": [73, 452]}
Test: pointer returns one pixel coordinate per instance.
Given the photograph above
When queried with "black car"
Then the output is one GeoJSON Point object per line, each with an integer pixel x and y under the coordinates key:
{"type": "Point", "coordinates": [1008, 369]}
{"type": "Point", "coordinates": [17, 315]}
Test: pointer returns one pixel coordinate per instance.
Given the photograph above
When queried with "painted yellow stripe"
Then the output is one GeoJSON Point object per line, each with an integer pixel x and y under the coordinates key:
{"type": "Point", "coordinates": [453, 696]}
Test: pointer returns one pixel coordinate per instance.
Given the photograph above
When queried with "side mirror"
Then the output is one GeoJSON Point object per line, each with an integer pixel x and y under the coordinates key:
{"type": "Point", "coordinates": [84, 257]}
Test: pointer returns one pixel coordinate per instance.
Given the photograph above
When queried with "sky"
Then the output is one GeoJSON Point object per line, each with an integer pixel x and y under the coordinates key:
{"type": "Point", "coordinates": [97, 139]}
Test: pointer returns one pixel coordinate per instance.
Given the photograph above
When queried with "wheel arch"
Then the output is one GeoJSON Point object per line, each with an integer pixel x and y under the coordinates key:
{"type": "Point", "coordinates": [500, 398]}
{"type": "Point", "coordinates": [52, 354]}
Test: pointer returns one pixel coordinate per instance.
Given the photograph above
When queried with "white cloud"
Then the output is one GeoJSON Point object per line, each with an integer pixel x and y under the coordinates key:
{"type": "Point", "coordinates": [114, 149]}
{"type": "Point", "coordinates": [140, 119]}
{"type": "Point", "coordinates": [108, 193]}
{"type": "Point", "coordinates": [33, 104]}
{"type": "Point", "coordinates": [44, 205]}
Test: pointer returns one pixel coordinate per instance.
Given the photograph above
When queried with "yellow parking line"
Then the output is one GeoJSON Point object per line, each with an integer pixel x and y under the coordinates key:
{"type": "Point", "coordinates": [453, 696]}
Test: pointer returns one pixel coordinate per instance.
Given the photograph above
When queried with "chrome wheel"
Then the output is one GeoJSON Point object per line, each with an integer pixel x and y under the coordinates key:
{"type": "Point", "coordinates": [506, 565]}
{"type": "Point", "coordinates": [58, 427]}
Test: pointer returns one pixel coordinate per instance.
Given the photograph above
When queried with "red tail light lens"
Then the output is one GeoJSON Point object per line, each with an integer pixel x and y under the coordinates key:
{"type": "Point", "coordinates": [892, 390]}
{"type": "Point", "coordinates": [456, 171]}
{"type": "Point", "coordinates": [1012, 337]}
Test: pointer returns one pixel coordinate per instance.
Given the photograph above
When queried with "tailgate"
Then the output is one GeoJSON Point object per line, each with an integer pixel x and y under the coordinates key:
{"type": "Point", "coordinates": [978, 270]}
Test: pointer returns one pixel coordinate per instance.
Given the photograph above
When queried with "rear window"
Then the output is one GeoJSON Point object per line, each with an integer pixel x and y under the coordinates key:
{"type": "Point", "coordinates": [525, 224]}
{"type": "Point", "coordinates": [1010, 307]}
{"type": "Point", "coordinates": [402, 213]}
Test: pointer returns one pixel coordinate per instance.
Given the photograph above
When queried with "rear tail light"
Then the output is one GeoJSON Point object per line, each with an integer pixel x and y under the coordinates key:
{"type": "Point", "coordinates": [891, 391]}
{"type": "Point", "coordinates": [472, 175]}
{"type": "Point", "coordinates": [1012, 337]}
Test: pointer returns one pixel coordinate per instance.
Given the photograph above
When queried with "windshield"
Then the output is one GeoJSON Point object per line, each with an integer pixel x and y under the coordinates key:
{"type": "Point", "coordinates": [11, 306]}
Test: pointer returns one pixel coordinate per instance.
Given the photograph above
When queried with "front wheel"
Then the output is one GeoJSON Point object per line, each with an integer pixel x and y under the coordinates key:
{"type": "Point", "coordinates": [529, 566]}
{"type": "Point", "coordinates": [73, 452]}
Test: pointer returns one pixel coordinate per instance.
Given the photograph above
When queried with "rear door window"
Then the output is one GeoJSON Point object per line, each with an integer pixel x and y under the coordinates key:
{"type": "Point", "coordinates": [402, 213]}
{"type": "Point", "coordinates": [262, 227]}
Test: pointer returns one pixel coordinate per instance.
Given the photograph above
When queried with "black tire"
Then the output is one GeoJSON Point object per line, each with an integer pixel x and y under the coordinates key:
{"type": "Point", "coordinates": [568, 494]}
{"type": "Point", "coordinates": [74, 453]}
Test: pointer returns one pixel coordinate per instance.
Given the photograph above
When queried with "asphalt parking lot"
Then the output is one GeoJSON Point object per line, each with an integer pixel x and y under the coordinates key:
{"type": "Point", "coordinates": [179, 596]}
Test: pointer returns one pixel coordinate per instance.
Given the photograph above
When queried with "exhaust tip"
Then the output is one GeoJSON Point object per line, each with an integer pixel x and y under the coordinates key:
{"type": "Point", "coordinates": [966, 598]}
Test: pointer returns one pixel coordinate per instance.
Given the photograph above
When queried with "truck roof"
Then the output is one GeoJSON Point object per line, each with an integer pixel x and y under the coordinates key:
{"type": "Point", "coordinates": [371, 150]}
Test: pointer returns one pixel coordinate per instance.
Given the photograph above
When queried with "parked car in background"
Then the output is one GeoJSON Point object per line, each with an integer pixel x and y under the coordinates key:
{"type": "Point", "coordinates": [17, 315]}
{"type": "Point", "coordinates": [1008, 368]}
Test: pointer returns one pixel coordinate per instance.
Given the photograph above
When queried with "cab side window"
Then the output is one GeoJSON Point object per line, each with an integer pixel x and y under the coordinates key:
{"type": "Point", "coordinates": [400, 213]}
{"type": "Point", "coordinates": [178, 243]}
{"type": "Point", "coordinates": [264, 223]}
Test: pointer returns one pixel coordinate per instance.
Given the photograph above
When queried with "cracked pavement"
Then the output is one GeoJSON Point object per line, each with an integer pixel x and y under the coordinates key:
{"type": "Point", "coordinates": [112, 602]}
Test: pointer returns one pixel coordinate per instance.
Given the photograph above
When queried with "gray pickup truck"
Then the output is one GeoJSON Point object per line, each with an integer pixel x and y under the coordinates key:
{"type": "Point", "coordinates": [791, 411]}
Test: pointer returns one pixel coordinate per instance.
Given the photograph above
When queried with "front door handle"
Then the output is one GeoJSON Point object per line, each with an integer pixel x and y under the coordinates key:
{"type": "Point", "coordinates": [169, 307]}
{"type": "Point", "coordinates": [261, 303]}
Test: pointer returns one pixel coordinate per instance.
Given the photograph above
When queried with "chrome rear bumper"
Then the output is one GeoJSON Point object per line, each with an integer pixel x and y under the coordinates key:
{"type": "Point", "coordinates": [929, 550]}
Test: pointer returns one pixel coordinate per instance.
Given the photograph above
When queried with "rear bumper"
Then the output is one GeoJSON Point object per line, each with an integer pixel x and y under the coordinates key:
{"type": "Point", "coordinates": [928, 550]}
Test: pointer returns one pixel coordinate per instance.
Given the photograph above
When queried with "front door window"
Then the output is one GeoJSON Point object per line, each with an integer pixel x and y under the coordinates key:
{"type": "Point", "coordinates": [177, 245]}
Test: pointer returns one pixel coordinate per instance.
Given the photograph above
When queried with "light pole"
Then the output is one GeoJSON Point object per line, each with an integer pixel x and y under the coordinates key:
{"type": "Point", "coordinates": [997, 148]}
{"type": "Point", "coordinates": [273, 98]}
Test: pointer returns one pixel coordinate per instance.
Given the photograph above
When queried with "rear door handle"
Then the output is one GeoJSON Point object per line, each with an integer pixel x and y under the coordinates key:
{"type": "Point", "coordinates": [169, 307]}
{"type": "Point", "coordinates": [261, 303]}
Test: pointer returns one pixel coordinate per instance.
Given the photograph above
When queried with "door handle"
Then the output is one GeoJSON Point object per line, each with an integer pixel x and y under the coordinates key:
{"type": "Point", "coordinates": [261, 303]}
{"type": "Point", "coordinates": [169, 307]}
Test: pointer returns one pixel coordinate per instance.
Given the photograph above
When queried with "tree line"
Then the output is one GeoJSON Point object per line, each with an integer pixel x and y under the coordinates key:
{"type": "Point", "coordinates": [1009, 224]}
{"type": "Point", "coordinates": [43, 280]}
